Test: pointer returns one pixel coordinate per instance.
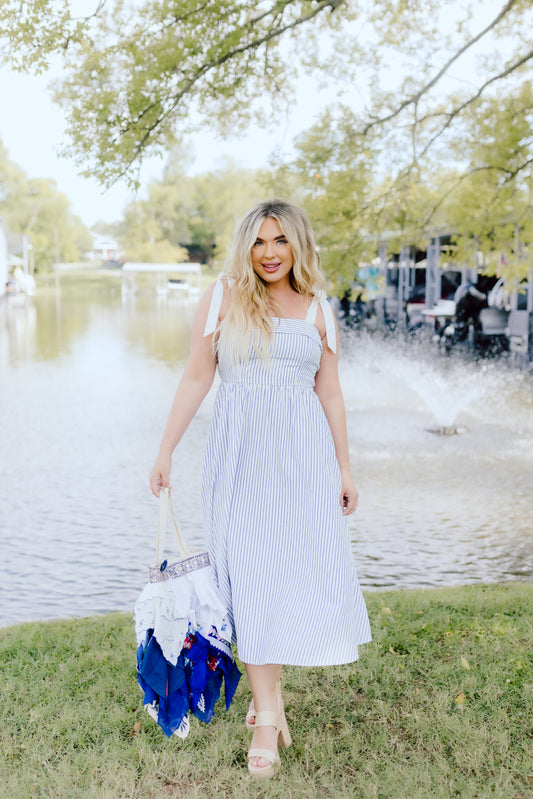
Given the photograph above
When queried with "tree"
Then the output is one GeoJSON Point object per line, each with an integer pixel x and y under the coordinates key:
{"type": "Point", "coordinates": [33, 207]}
{"type": "Point", "coordinates": [490, 202]}
{"type": "Point", "coordinates": [352, 201]}
{"type": "Point", "coordinates": [473, 179]}
{"type": "Point", "coordinates": [332, 177]}
{"type": "Point", "coordinates": [482, 197]}
{"type": "Point", "coordinates": [188, 216]}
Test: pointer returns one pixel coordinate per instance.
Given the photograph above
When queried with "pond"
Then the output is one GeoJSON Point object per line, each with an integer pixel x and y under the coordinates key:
{"type": "Point", "coordinates": [87, 378]}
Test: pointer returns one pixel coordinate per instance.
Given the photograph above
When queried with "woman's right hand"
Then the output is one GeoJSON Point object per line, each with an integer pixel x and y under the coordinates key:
{"type": "Point", "coordinates": [160, 474]}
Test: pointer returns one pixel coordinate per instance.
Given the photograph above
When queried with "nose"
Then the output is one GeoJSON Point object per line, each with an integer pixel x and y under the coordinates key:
{"type": "Point", "coordinates": [269, 249]}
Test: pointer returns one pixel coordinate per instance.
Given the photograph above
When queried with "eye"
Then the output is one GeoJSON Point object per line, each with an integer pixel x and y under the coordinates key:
{"type": "Point", "coordinates": [257, 243]}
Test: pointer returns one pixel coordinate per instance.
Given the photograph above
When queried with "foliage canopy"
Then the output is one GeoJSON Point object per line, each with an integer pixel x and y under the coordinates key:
{"type": "Point", "coordinates": [429, 122]}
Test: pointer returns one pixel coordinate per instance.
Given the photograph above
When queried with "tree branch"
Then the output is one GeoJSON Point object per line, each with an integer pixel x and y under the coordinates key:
{"type": "Point", "coordinates": [510, 176]}
{"type": "Point", "coordinates": [415, 98]}
{"type": "Point", "coordinates": [205, 68]}
{"type": "Point", "coordinates": [456, 111]}
{"type": "Point", "coordinates": [99, 7]}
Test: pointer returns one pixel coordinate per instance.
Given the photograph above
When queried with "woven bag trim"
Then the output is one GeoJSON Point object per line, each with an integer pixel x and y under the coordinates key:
{"type": "Point", "coordinates": [179, 568]}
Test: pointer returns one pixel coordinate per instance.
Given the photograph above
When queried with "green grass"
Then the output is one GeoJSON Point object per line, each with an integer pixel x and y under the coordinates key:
{"type": "Point", "coordinates": [439, 705]}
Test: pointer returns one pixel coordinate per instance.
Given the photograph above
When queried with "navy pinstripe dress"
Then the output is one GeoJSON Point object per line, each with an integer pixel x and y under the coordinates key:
{"type": "Point", "coordinates": [276, 536]}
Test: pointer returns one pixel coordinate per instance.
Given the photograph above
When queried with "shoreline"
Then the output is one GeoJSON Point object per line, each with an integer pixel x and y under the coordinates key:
{"type": "Point", "coordinates": [367, 591]}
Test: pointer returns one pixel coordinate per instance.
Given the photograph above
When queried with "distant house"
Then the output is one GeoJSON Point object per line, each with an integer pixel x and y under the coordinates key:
{"type": "Point", "coordinates": [105, 248]}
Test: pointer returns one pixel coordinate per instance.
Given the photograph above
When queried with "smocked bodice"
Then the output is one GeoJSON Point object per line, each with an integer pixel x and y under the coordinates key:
{"type": "Point", "coordinates": [296, 352]}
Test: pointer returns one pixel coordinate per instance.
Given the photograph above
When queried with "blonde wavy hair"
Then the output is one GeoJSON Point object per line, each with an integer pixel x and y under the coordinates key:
{"type": "Point", "coordinates": [249, 319]}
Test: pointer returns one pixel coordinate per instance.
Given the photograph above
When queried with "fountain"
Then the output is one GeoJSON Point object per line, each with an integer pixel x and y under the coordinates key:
{"type": "Point", "coordinates": [446, 388]}
{"type": "Point", "coordinates": [447, 431]}
{"type": "Point", "coordinates": [446, 391]}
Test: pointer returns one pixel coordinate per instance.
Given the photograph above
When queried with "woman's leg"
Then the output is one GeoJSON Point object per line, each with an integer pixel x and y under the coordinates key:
{"type": "Point", "coordinates": [264, 682]}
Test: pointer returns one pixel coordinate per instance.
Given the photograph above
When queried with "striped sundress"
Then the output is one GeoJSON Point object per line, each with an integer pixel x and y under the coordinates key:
{"type": "Point", "coordinates": [277, 538]}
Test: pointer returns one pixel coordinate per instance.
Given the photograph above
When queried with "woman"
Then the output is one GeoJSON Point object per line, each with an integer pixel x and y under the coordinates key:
{"type": "Point", "coordinates": [276, 479]}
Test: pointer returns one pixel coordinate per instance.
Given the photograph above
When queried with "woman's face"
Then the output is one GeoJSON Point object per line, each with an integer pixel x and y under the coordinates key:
{"type": "Point", "coordinates": [272, 256]}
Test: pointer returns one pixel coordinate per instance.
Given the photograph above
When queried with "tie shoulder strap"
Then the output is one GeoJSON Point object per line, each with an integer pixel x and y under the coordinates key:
{"type": "Point", "coordinates": [321, 299]}
{"type": "Point", "coordinates": [312, 311]}
{"type": "Point", "coordinates": [214, 308]}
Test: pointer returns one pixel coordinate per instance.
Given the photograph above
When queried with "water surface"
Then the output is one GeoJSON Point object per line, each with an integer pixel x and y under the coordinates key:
{"type": "Point", "coordinates": [86, 381]}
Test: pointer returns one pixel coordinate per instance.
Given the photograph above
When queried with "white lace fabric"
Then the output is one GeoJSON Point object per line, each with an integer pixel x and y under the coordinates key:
{"type": "Point", "coordinates": [174, 607]}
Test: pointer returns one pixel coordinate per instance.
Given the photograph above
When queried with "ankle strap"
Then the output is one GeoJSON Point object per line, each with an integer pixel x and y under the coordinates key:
{"type": "Point", "coordinates": [267, 718]}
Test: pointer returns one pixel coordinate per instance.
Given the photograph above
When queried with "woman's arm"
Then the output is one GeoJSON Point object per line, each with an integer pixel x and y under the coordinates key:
{"type": "Point", "coordinates": [196, 381]}
{"type": "Point", "coordinates": [329, 392]}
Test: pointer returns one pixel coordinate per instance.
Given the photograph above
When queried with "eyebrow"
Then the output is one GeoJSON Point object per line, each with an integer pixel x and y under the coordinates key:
{"type": "Point", "coordinates": [277, 238]}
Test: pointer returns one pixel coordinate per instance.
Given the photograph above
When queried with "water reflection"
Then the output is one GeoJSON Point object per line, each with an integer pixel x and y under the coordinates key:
{"type": "Point", "coordinates": [86, 382]}
{"type": "Point", "coordinates": [158, 326]}
{"type": "Point", "coordinates": [48, 326]}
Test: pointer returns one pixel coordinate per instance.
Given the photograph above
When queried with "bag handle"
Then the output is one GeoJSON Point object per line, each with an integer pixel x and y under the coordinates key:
{"type": "Point", "coordinates": [165, 504]}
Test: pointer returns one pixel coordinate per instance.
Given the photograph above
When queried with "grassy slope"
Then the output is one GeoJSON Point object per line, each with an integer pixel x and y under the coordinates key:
{"type": "Point", "coordinates": [440, 705]}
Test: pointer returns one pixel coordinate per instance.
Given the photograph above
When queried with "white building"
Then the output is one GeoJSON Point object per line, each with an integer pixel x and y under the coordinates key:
{"type": "Point", "coordinates": [105, 248]}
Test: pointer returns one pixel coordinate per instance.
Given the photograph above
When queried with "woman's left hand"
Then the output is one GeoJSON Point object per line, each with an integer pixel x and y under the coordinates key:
{"type": "Point", "coordinates": [349, 494]}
